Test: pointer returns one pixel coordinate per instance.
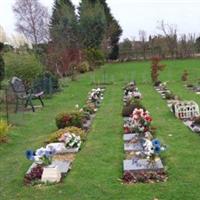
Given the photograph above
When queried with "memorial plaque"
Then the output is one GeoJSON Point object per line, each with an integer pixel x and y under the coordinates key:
{"type": "Point", "coordinates": [142, 165]}
{"type": "Point", "coordinates": [133, 147]}
{"type": "Point", "coordinates": [51, 174]}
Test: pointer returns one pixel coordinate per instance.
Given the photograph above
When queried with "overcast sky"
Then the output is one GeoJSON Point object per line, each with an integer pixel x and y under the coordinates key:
{"type": "Point", "coordinates": [133, 15]}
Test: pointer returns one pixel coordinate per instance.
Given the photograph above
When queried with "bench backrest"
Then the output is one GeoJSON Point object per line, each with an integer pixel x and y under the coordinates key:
{"type": "Point", "coordinates": [18, 87]}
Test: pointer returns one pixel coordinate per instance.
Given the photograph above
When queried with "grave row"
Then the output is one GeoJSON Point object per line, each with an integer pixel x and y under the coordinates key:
{"type": "Point", "coordinates": [52, 163]}
{"type": "Point", "coordinates": [186, 111]}
{"type": "Point", "coordinates": [142, 152]}
{"type": "Point", "coordinates": [194, 88]}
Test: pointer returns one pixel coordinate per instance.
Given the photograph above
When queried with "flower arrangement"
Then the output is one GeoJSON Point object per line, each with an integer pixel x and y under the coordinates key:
{"type": "Point", "coordinates": [42, 156]}
{"type": "Point", "coordinates": [89, 109]}
{"type": "Point", "coordinates": [95, 96]}
{"type": "Point", "coordinates": [131, 91]}
{"type": "Point", "coordinates": [54, 137]}
{"type": "Point", "coordinates": [139, 122]}
{"type": "Point", "coordinates": [152, 149]}
{"type": "Point", "coordinates": [70, 140]}
{"type": "Point", "coordinates": [131, 87]}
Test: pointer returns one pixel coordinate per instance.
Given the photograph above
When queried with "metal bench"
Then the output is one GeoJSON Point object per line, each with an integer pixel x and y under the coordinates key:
{"type": "Point", "coordinates": [23, 95]}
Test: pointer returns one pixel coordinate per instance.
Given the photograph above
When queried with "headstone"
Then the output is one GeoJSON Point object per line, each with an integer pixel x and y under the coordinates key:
{"type": "Point", "coordinates": [142, 165]}
{"type": "Point", "coordinates": [51, 174]}
{"type": "Point", "coordinates": [133, 147]}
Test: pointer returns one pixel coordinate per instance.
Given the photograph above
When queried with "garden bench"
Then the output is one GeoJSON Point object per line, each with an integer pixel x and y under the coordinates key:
{"type": "Point", "coordinates": [24, 95]}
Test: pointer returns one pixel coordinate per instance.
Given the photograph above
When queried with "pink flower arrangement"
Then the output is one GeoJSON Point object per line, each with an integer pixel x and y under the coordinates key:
{"type": "Point", "coordinates": [139, 122]}
{"type": "Point", "coordinates": [140, 114]}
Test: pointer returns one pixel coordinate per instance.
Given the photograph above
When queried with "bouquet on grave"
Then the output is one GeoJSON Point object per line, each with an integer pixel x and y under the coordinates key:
{"type": "Point", "coordinates": [152, 149]}
{"type": "Point", "coordinates": [131, 87]}
{"type": "Point", "coordinates": [135, 94]}
{"type": "Point", "coordinates": [141, 121]}
{"type": "Point", "coordinates": [70, 140]}
{"type": "Point", "coordinates": [42, 156]}
{"type": "Point", "coordinates": [96, 95]}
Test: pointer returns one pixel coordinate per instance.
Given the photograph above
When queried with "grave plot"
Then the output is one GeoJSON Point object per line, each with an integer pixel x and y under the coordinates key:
{"type": "Point", "coordinates": [194, 88]}
{"type": "Point", "coordinates": [52, 162]}
{"type": "Point", "coordinates": [142, 152]}
{"type": "Point", "coordinates": [186, 111]}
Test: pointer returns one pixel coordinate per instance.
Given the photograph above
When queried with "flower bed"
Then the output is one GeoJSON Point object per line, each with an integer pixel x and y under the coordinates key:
{"type": "Point", "coordinates": [52, 162]}
{"type": "Point", "coordinates": [142, 152]}
{"type": "Point", "coordinates": [187, 111]}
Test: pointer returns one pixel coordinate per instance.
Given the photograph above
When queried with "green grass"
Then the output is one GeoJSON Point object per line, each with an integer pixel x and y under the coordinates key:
{"type": "Point", "coordinates": [97, 169]}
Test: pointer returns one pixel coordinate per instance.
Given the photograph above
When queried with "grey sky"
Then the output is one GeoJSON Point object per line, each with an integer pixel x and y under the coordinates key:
{"type": "Point", "coordinates": [133, 15]}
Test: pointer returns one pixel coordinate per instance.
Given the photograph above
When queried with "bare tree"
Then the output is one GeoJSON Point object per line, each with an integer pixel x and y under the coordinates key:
{"type": "Point", "coordinates": [158, 46]}
{"type": "Point", "coordinates": [143, 40]}
{"type": "Point", "coordinates": [170, 32]}
{"type": "Point", "coordinates": [182, 46]}
{"type": "Point", "coordinates": [32, 20]}
{"type": "Point", "coordinates": [191, 44]}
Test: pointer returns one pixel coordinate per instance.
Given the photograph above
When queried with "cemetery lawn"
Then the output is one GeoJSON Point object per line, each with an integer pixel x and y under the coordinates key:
{"type": "Point", "coordinates": [97, 169]}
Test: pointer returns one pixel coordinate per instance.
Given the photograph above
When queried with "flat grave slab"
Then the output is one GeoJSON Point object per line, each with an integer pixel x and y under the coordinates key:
{"type": "Point", "coordinates": [133, 147]}
{"type": "Point", "coordinates": [128, 137]}
{"type": "Point", "coordinates": [142, 165]}
{"type": "Point", "coordinates": [195, 129]}
{"type": "Point", "coordinates": [51, 174]}
{"type": "Point", "coordinates": [63, 166]}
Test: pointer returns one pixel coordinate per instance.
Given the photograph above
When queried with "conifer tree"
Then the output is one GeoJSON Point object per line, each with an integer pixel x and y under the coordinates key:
{"type": "Point", "coordinates": [64, 25]}
{"type": "Point", "coordinates": [113, 32]}
{"type": "Point", "coordinates": [92, 21]}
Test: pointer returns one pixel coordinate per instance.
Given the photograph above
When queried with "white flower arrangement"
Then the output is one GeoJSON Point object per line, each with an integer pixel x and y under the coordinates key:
{"type": "Point", "coordinates": [71, 140]}
{"type": "Point", "coordinates": [153, 148]}
{"type": "Point", "coordinates": [96, 95]}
